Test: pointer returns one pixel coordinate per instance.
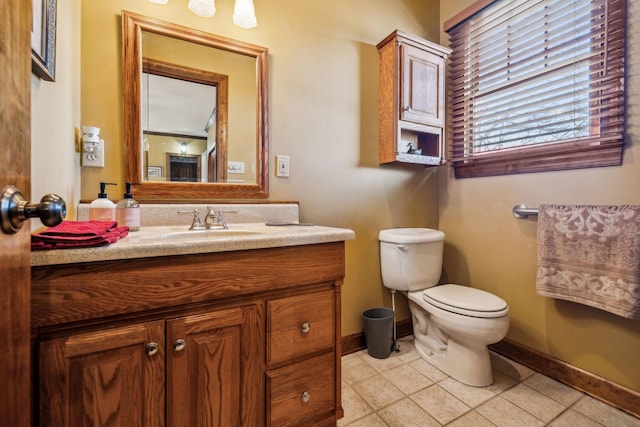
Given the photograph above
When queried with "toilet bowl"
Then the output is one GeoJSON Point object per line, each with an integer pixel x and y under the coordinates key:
{"type": "Point", "coordinates": [452, 324]}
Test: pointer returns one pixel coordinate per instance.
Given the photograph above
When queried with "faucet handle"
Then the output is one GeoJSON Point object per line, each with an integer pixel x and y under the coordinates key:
{"type": "Point", "coordinates": [196, 223]}
{"type": "Point", "coordinates": [221, 219]}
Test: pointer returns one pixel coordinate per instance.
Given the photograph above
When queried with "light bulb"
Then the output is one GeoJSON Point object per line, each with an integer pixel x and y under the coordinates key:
{"type": "Point", "coordinates": [244, 14]}
{"type": "Point", "coordinates": [204, 8]}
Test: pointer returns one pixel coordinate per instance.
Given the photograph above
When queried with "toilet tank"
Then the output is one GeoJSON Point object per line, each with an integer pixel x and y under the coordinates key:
{"type": "Point", "coordinates": [410, 258]}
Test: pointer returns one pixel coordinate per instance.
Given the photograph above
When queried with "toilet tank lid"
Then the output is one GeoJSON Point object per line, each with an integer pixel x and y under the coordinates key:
{"type": "Point", "coordinates": [410, 235]}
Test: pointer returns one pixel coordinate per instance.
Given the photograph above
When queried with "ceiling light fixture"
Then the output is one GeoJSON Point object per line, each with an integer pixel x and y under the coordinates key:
{"type": "Point", "coordinates": [204, 8]}
{"type": "Point", "coordinates": [244, 14]}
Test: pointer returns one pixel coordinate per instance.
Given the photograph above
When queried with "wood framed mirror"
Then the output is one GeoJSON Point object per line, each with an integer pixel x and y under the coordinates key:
{"type": "Point", "coordinates": [230, 144]}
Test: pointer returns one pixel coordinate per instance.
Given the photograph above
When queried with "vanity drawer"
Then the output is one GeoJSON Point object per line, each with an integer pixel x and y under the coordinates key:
{"type": "Point", "coordinates": [302, 393]}
{"type": "Point", "coordinates": [300, 325]}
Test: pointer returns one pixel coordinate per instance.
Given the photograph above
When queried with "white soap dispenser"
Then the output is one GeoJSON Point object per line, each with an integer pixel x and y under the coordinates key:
{"type": "Point", "coordinates": [128, 211]}
{"type": "Point", "coordinates": [102, 209]}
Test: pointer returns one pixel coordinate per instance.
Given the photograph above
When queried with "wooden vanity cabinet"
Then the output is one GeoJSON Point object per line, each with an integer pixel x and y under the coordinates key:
{"type": "Point", "coordinates": [411, 100]}
{"type": "Point", "coordinates": [181, 341]}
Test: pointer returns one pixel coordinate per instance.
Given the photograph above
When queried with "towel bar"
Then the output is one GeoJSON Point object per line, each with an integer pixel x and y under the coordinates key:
{"type": "Point", "coordinates": [522, 211]}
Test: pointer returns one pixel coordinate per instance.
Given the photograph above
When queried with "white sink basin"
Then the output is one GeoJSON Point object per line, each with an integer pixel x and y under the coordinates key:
{"type": "Point", "coordinates": [182, 234]}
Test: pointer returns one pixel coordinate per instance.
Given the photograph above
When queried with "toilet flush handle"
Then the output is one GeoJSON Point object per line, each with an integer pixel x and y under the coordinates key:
{"type": "Point", "coordinates": [403, 248]}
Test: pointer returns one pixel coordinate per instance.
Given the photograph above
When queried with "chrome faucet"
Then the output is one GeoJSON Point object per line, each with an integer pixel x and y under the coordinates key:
{"type": "Point", "coordinates": [215, 219]}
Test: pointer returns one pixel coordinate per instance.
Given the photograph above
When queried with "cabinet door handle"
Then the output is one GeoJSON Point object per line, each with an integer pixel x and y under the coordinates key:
{"type": "Point", "coordinates": [151, 348]}
{"type": "Point", "coordinates": [178, 344]}
{"type": "Point", "coordinates": [306, 327]}
{"type": "Point", "coordinates": [306, 396]}
{"type": "Point", "coordinates": [407, 108]}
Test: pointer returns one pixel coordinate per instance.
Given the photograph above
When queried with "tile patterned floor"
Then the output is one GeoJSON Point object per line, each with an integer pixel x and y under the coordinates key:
{"type": "Point", "coordinates": [404, 390]}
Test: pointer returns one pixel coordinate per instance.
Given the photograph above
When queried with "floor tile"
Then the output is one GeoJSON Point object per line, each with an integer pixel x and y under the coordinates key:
{"type": "Point", "coordinates": [354, 407]}
{"type": "Point", "coordinates": [440, 404]}
{"type": "Point", "coordinates": [406, 413]}
{"type": "Point", "coordinates": [571, 418]}
{"type": "Point", "coordinates": [604, 414]}
{"type": "Point", "coordinates": [501, 382]}
{"type": "Point", "coordinates": [554, 389]}
{"type": "Point", "coordinates": [503, 413]}
{"type": "Point", "coordinates": [407, 352]}
{"type": "Point", "coordinates": [533, 402]}
{"type": "Point", "coordinates": [355, 369]}
{"type": "Point", "coordinates": [471, 396]}
{"type": "Point", "coordinates": [378, 391]}
{"type": "Point", "coordinates": [428, 370]}
{"type": "Point", "coordinates": [372, 420]}
{"type": "Point", "coordinates": [407, 379]}
{"type": "Point", "coordinates": [382, 365]}
{"type": "Point", "coordinates": [471, 419]}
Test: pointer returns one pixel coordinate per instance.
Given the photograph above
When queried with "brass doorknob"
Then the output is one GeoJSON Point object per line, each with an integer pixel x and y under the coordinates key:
{"type": "Point", "coordinates": [14, 210]}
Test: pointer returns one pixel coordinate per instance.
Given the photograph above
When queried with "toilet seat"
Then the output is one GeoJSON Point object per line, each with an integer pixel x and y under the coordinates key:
{"type": "Point", "coordinates": [466, 301]}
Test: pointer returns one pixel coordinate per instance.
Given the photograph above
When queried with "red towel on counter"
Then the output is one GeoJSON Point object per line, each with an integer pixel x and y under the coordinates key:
{"type": "Point", "coordinates": [78, 234]}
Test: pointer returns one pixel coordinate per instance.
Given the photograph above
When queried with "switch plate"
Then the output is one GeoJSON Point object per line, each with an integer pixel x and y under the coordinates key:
{"type": "Point", "coordinates": [235, 167]}
{"type": "Point", "coordinates": [282, 166]}
{"type": "Point", "coordinates": [93, 154]}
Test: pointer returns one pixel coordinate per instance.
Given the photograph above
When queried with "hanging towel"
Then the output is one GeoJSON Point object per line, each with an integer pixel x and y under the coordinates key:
{"type": "Point", "coordinates": [78, 234]}
{"type": "Point", "coordinates": [590, 255]}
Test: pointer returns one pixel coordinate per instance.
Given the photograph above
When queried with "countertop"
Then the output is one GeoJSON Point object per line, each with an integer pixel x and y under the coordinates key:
{"type": "Point", "coordinates": [155, 241]}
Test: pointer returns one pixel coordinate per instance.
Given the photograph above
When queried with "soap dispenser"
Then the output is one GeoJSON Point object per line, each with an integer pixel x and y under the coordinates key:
{"type": "Point", "coordinates": [102, 209]}
{"type": "Point", "coordinates": [128, 211]}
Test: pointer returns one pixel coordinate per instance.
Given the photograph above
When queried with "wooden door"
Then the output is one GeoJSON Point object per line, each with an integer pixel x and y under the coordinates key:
{"type": "Point", "coordinates": [15, 144]}
{"type": "Point", "coordinates": [215, 369]}
{"type": "Point", "coordinates": [112, 377]}
{"type": "Point", "coordinates": [422, 86]}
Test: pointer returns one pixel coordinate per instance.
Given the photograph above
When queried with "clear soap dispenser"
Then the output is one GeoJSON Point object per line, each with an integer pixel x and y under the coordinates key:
{"type": "Point", "coordinates": [102, 209]}
{"type": "Point", "coordinates": [128, 211]}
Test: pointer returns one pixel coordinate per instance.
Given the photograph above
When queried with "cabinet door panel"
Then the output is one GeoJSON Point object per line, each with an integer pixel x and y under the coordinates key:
{"type": "Point", "coordinates": [215, 376]}
{"type": "Point", "coordinates": [103, 378]}
{"type": "Point", "coordinates": [422, 87]}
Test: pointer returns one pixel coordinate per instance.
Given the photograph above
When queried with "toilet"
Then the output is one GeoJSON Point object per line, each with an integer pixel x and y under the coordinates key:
{"type": "Point", "coordinates": [452, 324]}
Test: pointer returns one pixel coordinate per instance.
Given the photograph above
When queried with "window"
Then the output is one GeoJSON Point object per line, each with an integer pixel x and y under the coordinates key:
{"type": "Point", "coordinates": [537, 85]}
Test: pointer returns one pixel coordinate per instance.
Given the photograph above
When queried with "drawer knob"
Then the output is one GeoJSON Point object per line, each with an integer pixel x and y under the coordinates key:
{"type": "Point", "coordinates": [306, 327]}
{"type": "Point", "coordinates": [306, 396]}
{"type": "Point", "coordinates": [151, 348]}
{"type": "Point", "coordinates": [178, 344]}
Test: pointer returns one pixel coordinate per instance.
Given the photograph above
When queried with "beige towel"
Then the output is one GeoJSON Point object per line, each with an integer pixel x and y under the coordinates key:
{"type": "Point", "coordinates": [591, 255]}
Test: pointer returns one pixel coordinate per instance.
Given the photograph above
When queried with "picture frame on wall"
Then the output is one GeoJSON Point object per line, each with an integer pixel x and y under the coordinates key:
{"type": "Point", "coordinates": [154, 171]}
{"type": "Point", "coordinates": [43, 39]}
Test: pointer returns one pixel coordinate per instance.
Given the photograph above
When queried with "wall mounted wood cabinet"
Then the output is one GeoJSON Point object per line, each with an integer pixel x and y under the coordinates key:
{"type": "Point", "coordinates": [246, 338]}
{"type": "Point", "coordinates": [411, 100]}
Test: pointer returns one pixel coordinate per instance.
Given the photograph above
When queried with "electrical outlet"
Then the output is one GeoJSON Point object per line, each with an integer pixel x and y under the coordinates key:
{"type": "Point", "coordinates": [282, 163]}
{"type": "Point", "coordinates": [93, 154]}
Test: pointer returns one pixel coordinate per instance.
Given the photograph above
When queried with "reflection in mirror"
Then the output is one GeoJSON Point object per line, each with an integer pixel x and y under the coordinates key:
{"type": "Point", "coordinates": [181, 105]}
{"type": "Point", "coordinates": [194, 113]}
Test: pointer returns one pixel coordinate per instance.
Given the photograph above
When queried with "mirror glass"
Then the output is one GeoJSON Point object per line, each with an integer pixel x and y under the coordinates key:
{"type": "Point", "coordinates": [194, 113]}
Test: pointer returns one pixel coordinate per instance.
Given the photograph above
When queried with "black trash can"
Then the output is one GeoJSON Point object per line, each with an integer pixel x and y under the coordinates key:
{"type": "Point", "coordinates": [378, 331]}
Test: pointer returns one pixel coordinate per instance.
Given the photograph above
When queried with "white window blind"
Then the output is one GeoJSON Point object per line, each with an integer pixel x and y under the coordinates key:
{"type": "Point", "coordinates": [537, 85]}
